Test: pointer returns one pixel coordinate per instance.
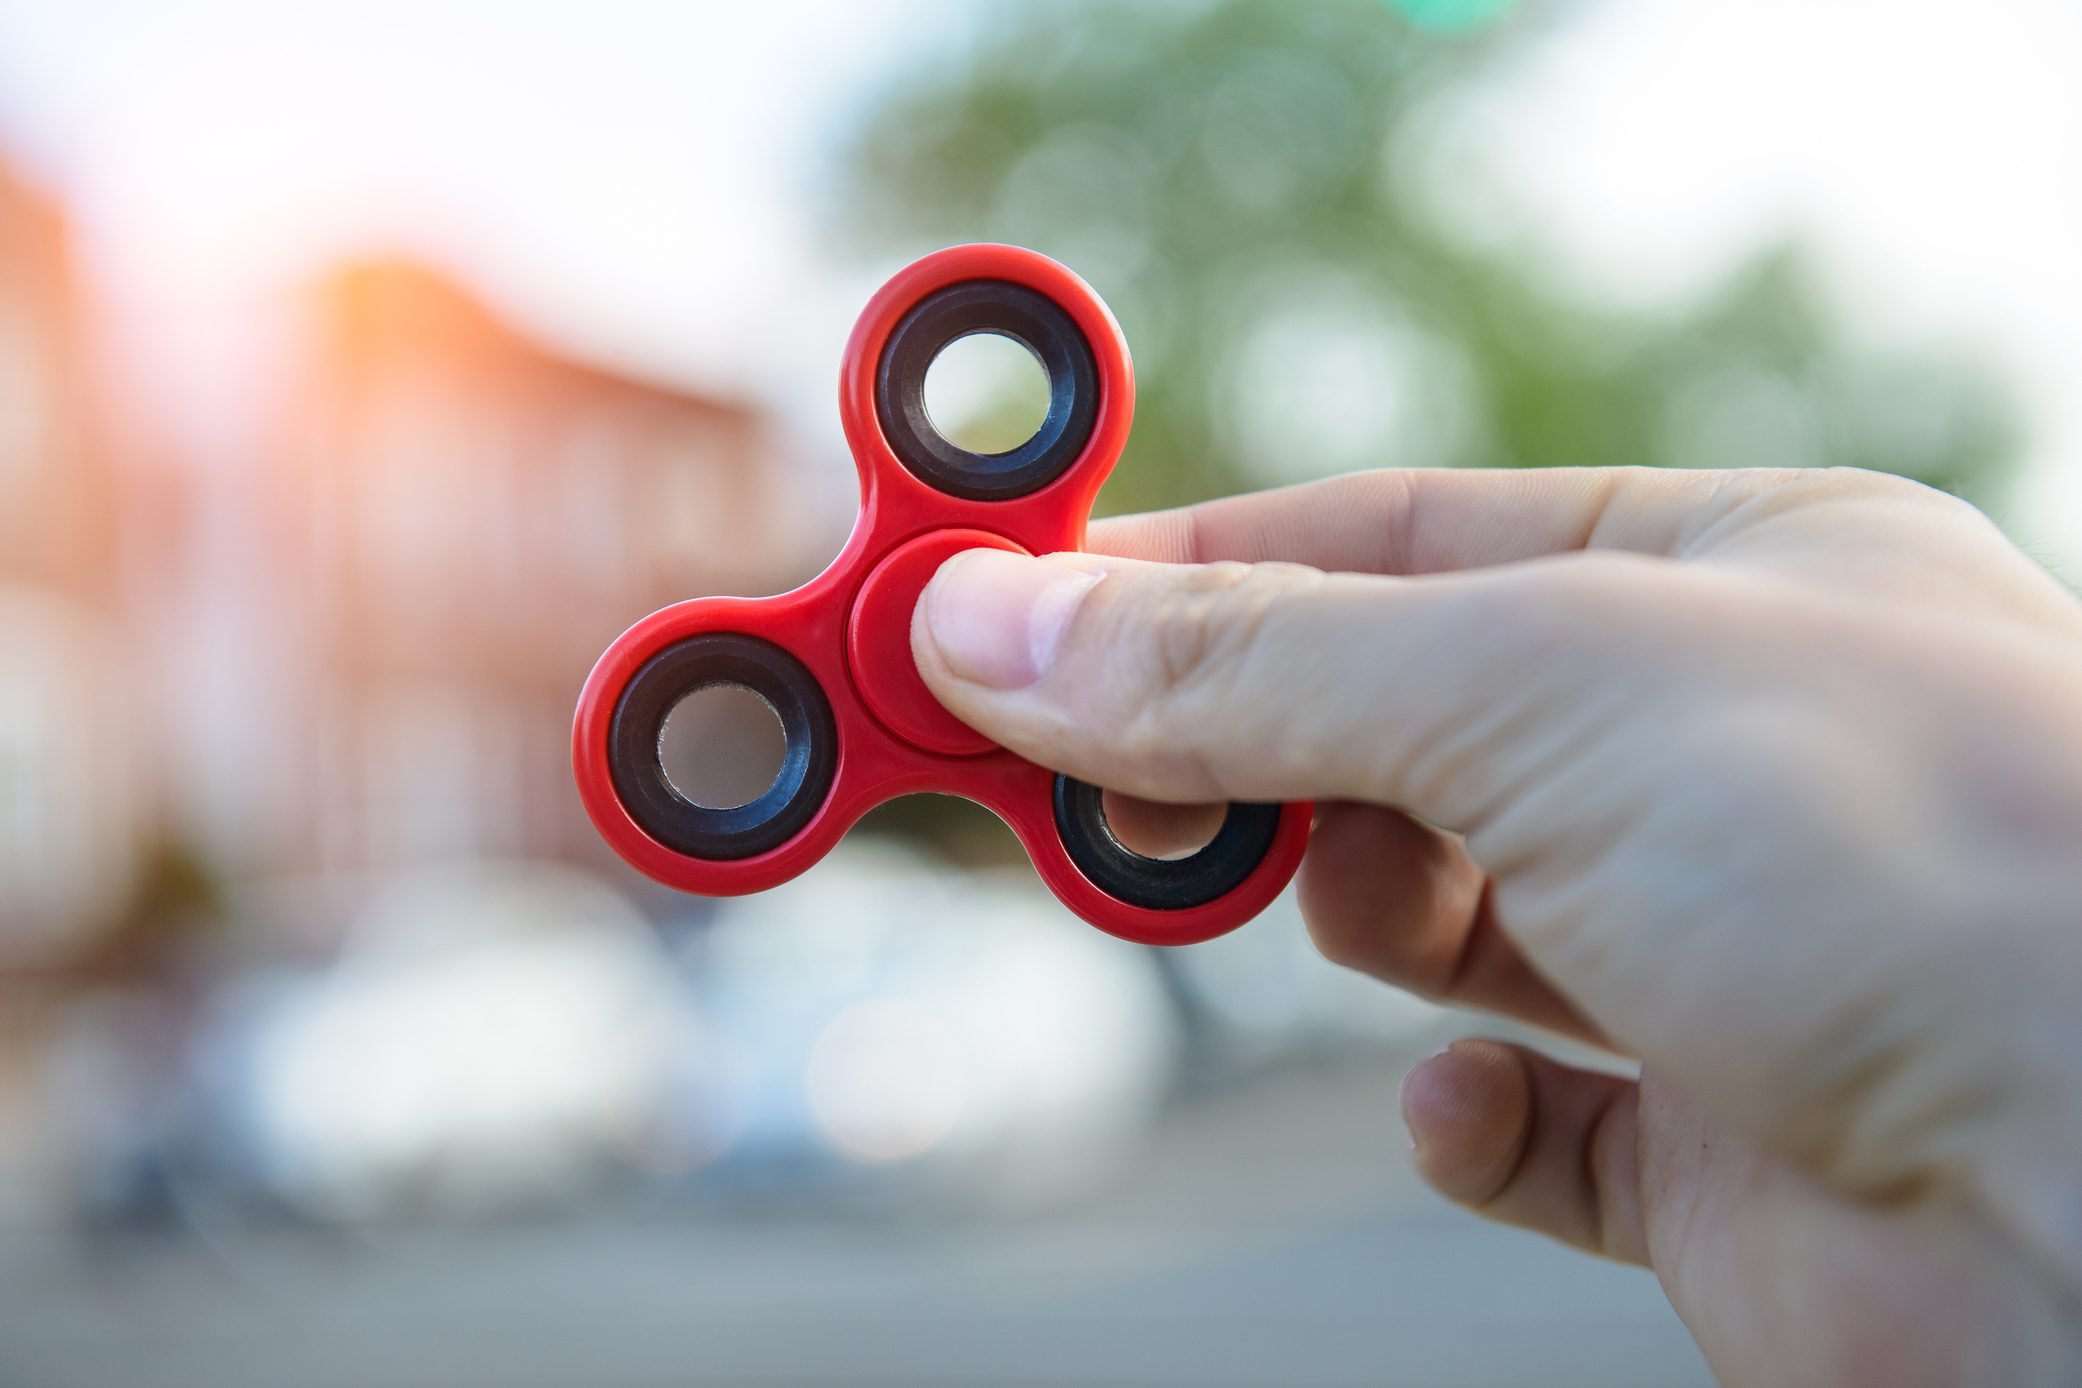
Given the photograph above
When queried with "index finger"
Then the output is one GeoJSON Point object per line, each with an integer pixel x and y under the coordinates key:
{"type": "Point", "coordinates": [1441, 520]}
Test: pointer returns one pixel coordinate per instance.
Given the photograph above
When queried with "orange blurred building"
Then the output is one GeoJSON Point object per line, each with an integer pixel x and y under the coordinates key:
{"type": "Point", "coordinates": [467, 520]}
{"type": "Point", "coordinates": [70, 765]}
{"type": "Point", "coordinates": [327, 618]}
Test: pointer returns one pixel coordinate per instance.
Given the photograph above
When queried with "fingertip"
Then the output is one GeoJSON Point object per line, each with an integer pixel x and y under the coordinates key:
{"type": "Point", "coordinates": [1156, 829]}
{"type": "Point", "coordinates": [995, 618]}
{"type": "Point", "coordinates": [1469, 1112]}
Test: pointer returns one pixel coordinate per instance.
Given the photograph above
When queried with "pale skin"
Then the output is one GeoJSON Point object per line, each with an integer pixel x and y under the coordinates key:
{"type": "Point", "coordinates": [1771, 781]}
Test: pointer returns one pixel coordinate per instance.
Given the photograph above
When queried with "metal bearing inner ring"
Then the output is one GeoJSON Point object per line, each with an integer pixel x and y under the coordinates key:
{"type": "Point", "coordinates": [1036, 323]}
{"type": "Point", "coordinates": [808, 761]}
{"type": "Point", "coordinates": [1161, 884]}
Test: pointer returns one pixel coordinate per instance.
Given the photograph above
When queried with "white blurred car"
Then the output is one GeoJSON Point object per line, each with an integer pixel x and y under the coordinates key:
{"type": "Point", "coordinates": [492, 1035]}
{"type": "Point", "coordinates": [884, 1013]}
{"type": "Point", "coordinates": [498, 1036]}
{"type": "Point", "coordinates": [883, 1027]}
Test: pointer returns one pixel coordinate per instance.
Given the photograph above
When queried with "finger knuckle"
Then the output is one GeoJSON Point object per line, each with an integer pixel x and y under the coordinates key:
{"type": "Point", "coordinates": [1203, 632]}
{"type": "Point", "coordinates": [1205, 623]}
{"type": "Point", "coordinates": [1866, 485]}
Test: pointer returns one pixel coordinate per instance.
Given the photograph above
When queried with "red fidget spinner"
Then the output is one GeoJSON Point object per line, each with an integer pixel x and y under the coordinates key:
{"type": "Point", "coordinates": [833, 658]}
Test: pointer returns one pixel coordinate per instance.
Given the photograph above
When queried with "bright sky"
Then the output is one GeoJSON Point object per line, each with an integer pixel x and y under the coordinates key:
{"type": "Point", "coordinates": [637, 179]}
{"type": "Point", "coordinates": [1931, 150]}
{"type": "Point", "coordinates": [632, 176]}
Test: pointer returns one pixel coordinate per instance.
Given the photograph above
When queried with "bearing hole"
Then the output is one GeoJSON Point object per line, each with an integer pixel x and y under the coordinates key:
{"type": "Point", "coordinates": [1166, 833]}
{"type": "Point", "coordinates": [986, 393]}
{"type": "Point", "coordinates": [721, 746]}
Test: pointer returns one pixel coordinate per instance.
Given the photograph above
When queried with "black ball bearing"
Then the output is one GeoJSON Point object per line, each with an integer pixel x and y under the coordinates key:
{"type": "Point", "coordinates": [1161, 884]}
{"type": "Point", "coordinates": [1036, 323]}
{"type": "Point", "coordinates": [808, 761]}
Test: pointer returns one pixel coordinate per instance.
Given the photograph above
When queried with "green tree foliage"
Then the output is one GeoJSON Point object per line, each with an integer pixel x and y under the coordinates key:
{"type": "Point", "coordinates": [1309, 286]}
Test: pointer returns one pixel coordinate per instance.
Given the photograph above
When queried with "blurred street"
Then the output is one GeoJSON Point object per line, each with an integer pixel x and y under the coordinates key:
{"type": "Point", "coordinates": [1270, 1234]}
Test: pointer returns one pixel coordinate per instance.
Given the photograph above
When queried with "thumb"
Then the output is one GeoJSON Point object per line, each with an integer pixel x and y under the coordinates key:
{"type": "Point", "coordinates": [1252, 681]}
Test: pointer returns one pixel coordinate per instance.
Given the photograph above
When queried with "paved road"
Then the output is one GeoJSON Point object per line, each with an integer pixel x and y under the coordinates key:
{"type": "Point", "coordinates": [1270, 1237]}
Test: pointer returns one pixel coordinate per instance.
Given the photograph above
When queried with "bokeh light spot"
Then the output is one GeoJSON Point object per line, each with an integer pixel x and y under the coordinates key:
{"type": "Point", "coordinates": [1452, 16]}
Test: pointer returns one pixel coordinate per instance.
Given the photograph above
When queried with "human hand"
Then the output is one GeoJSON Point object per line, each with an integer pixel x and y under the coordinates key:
{"type": "Point", "coordinates": [1772, 780]}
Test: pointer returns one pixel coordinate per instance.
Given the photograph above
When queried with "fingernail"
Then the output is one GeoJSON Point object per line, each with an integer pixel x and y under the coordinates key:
{"type": "Point", "coordinates": [1409, 1129]}
{"type": "Point", "coordinates": [997, 618]}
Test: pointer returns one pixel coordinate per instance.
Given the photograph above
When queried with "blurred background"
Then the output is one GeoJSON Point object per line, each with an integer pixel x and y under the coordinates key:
{"type": "Point", "coordinates": [364, 369]}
